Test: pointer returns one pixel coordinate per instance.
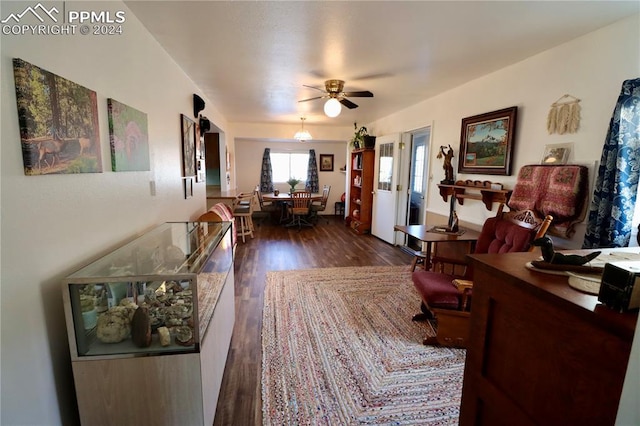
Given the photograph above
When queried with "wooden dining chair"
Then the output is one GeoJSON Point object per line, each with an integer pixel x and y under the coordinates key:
{"type": "Point", "coordinates": [317, 207]}
{"type": "Point", "coordinates": [299, 209]}
{"type": "Point", "coordinates": [267, 209]}
{"type": "Point", "coordinates": [446, 289]}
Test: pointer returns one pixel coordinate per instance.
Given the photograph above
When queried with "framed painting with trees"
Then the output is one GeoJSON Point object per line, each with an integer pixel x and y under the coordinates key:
{"type": "Point", "coordinates": [486, 142]}
{"type": "Point", "coordinates": [58, 122]}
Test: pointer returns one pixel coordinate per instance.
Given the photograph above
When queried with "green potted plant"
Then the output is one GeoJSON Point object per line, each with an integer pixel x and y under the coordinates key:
{"type": "Point", "coordinates": [292, 183]}
{"type": "Point", "coordinates": [361, 138]}
{"type": "Point", "coordinates": [357, 141]}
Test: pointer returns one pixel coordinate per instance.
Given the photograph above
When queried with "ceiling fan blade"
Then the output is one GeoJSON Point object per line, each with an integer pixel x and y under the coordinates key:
{"type": "Point", "coordinates": [312, 87]}
{"type": "Point", "coordinates": [312, 99]}
{"type": "Point", "coordinates": [361, 94]}
{"type": "Point", "coordinates": [348, 103]}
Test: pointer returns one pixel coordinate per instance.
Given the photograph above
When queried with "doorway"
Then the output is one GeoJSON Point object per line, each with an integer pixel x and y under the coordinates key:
{"type": "Point", "coordinates": [417, 181]}
{"type": "Point", "coordinates": [385, 187]}
{"type": "Point", "coordinates": [212, 159]}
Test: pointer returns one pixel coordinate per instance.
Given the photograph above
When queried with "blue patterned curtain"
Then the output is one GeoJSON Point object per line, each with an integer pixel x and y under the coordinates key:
{"type": "Point", "coordinates": [614, 195]}
{"type": "Point", "coordinates": [312, 173]}
{"type": "Point", "coordinates": [266, 176]}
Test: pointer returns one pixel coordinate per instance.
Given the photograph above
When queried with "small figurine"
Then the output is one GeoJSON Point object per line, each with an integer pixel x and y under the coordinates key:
{"type": "Point", "coordinates": [551, 256]}
{"type": "Point", "coordinates": [448, 168]}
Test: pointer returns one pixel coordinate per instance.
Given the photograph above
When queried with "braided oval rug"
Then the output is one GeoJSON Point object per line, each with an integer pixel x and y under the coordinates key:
{"type": "Point", "coordinates": [339, 348]}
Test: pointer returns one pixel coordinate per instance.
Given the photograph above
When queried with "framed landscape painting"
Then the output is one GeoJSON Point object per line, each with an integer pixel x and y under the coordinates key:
{"type": "Point", "coordinates": [486, 142]}
{"type": "Point", "coordinates": [58, 122]}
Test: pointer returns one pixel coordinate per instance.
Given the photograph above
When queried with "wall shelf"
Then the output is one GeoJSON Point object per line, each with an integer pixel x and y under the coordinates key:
{"type": "Point", "coordinates": [486, 191]}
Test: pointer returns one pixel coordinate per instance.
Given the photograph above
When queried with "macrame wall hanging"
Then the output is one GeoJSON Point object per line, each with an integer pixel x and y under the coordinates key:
{"type": "Point", "coordinates": [564, 115]}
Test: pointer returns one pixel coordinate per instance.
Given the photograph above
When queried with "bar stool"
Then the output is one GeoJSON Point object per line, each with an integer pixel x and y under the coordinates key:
{"type": "Point", "coordinates": [242, 211]}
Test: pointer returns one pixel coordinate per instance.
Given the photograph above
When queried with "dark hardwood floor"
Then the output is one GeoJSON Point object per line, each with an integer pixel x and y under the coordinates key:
{"type": "Point", "coordinates": [329, 244]}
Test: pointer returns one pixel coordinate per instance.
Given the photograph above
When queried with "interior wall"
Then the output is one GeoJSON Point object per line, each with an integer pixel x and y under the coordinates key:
{"type": "Point", "coordinates": [276, 133]}
{"type": "Point", "coordinates": [249, 166]}
{"type": "Point", "coordinates": [53, 224]}
{"type": "Point", "coordinates": [591, 68]}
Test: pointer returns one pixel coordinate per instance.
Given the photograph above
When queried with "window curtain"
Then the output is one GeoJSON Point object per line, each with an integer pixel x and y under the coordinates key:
{"type": "Point", "coordinates": [266, 175]}
{"type": "Point", "coordinates": [614, 195]}
{"type": "Point", "coordinates": [312, 173]}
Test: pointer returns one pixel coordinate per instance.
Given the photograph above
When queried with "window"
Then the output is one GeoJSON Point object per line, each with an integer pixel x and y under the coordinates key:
{"type": "Point", "coordinates": [285, 165]}
{"type": "Point", "coordinates": [418, 169]}
{"type": "Point", "coordinates": [385, 167]}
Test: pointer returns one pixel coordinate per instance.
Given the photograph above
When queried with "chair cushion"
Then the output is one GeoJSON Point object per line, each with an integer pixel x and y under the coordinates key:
{"type": "Point", "coordinates": [241, 210]}
{"type": "Point", "coordinates": [436, 289]}
{"type": "Point", "coordinates": [502, 236]}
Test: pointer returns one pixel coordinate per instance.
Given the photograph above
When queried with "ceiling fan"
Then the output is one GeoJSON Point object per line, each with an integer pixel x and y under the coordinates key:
{"type": "Point", "coordinates": [334, 90]}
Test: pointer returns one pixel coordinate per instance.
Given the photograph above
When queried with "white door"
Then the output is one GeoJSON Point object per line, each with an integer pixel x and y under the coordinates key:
{"type": "Point", "coordinates": [385, 193]}
{"type": "Point", "coordinates": [417, 187]}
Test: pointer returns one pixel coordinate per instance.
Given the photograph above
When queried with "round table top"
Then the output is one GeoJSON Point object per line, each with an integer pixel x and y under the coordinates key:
{"type": "Point", "coordinates": [285, 196]}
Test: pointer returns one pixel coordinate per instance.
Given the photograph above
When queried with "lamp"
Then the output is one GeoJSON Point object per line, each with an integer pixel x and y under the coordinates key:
{"type": "Point", "coordinates": [303, 135]}
{"type": "Point", "coordinates": [332, 107]}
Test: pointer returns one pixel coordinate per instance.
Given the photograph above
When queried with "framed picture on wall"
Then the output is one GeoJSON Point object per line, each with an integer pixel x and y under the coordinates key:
{"type": "Point", "coordinates": [128, 137]}
{"type": "Point", "coordinates": [199, 140]}
{"type": "Point", "coordinates": [58, 121]}
{"type": "Point", "coordinates": [556, 153]}
{"type": "Point", "coordinates": [188, 146]}
{"type": "Point", "coordinates": [326, 162]}
{"type": "Point", "coordinates": [486, 142]}
{"type": "Point", "coordinates": [188, 187]}
{"type": "Point", "coordinates": [200, 172]}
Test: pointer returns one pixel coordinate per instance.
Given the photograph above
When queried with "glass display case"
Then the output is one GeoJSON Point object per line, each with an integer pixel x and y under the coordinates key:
{"type": "Point", "coordinates": [155, 295]}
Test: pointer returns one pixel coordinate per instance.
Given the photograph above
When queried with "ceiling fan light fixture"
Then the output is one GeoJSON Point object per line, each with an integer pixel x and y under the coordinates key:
{"type": "Point", "coordinates": [302, 135]}
{"type": "Point", "coordinates": [332, 108]}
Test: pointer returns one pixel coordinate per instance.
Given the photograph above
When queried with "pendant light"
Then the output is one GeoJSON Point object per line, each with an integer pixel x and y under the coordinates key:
{"type": "Point", "coordinates": [303, 135]}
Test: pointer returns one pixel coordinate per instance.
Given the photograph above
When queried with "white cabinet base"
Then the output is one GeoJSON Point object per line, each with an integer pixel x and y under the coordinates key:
{"type": "Point", "coordinates": [180, 389]}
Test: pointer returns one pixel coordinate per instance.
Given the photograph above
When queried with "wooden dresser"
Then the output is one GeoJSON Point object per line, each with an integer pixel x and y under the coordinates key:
{"type": "Point", "coordinates": [540, 352]}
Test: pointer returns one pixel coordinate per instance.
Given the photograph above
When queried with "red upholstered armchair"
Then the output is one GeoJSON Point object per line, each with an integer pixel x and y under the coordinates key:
{"type": "Point", "coordinates": [445, 295]}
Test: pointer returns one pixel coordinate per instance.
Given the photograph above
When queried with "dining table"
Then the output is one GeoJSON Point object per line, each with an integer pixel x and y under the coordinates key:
{"type": "Point", "coordinates": [283, 198]}
{"type": "Point", "coordinates": [286, 196]}
{"type": "Point", "coordinates": [430, 235]}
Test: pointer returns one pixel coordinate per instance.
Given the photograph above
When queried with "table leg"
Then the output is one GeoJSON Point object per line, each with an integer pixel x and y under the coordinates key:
{"type": "Point", "coordinates": [427, 259]}
{"type": "Point", "coordinates": [284, 212]}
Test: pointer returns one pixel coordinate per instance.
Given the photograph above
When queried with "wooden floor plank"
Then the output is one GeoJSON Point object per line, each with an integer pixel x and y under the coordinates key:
{"type": "Point", "coordinates": [277, 248]}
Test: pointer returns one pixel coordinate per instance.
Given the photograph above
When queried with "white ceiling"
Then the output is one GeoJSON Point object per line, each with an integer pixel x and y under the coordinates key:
{"type": "Point", "coordinates": [251, 59]}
